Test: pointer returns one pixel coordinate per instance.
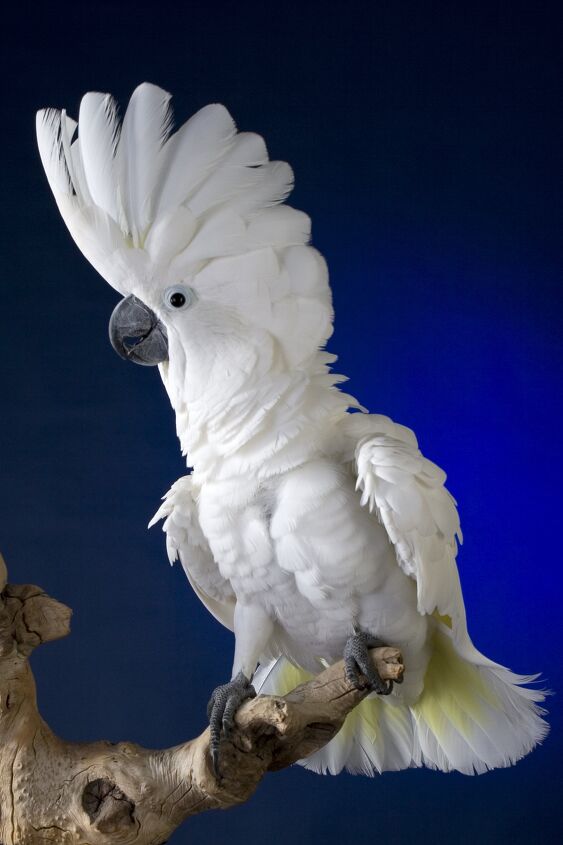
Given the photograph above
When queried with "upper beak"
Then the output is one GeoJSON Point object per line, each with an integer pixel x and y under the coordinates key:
{"type": "Point", "coordinates": [137, 334]}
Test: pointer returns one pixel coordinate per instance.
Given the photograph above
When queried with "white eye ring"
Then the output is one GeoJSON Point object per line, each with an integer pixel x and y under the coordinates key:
{"type": "Point", "coordinates": [178, 298]}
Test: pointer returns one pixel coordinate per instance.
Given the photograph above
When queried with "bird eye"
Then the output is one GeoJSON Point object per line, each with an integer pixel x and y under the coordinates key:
{"type": "Point", "coordinates": [178, 298]}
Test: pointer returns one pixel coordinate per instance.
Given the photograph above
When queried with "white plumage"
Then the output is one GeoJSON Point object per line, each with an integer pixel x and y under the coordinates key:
{"type": "Point", "coordinates": [300, 520]}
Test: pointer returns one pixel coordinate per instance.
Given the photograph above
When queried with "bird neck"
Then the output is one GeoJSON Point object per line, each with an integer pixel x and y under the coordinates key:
{"type": "Point", "coordinates": [247, 412]}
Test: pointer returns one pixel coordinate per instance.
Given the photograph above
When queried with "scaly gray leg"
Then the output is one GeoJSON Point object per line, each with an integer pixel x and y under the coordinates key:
{"type": "Point", "coordinates": [224, 702]}
{"type": "Point", "coordinates": [358, 662]}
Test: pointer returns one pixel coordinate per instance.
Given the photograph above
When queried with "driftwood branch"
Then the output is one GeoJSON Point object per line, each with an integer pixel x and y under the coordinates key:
{"type": "Point", "coordinates": [52, 791]}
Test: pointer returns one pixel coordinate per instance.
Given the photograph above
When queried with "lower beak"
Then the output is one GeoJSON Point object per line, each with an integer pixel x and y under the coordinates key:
{"type": "Point", "coordinates": [137, 334]}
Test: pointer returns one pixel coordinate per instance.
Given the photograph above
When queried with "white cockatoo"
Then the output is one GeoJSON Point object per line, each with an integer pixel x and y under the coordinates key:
{"type": "Point", "coordinates": [309, 531]}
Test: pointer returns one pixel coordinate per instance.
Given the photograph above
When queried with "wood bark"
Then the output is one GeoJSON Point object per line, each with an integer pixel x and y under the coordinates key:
{"type": "Point", "coordinates": [52, 791]}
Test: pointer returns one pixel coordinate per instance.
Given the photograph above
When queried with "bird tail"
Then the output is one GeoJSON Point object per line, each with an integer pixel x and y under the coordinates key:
{"type": "Point", "coordinates": [469, 718]}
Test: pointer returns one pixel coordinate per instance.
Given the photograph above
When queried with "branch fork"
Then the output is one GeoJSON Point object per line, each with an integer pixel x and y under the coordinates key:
{"type": "Point", "coordinates": [52, 791]}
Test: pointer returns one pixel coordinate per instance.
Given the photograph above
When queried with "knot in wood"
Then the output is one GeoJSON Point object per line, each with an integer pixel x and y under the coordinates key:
{"type": "Point", "coordinates": [107, 806]}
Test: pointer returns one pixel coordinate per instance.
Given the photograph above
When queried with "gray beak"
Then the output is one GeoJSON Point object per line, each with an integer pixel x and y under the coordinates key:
{"type": "Point", "coordinates": [137, 334]}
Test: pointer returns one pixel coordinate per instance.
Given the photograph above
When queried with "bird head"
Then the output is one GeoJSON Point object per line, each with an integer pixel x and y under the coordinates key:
{"type": "Point", "coordinates": [189, 226]}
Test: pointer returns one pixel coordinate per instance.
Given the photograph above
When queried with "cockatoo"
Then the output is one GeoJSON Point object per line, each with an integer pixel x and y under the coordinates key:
{"type": "Point", "coordinates": [311, 532]}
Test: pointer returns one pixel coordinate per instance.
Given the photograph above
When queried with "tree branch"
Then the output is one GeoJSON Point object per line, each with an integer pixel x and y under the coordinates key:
{"type": "Point", "coordinates": [71, 793]}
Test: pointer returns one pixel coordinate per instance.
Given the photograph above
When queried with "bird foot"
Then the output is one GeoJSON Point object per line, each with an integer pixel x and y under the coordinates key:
{"type": "Point", "coordinates": [224, 702]}
{"type": "Point", "coordinates": [357, 662]}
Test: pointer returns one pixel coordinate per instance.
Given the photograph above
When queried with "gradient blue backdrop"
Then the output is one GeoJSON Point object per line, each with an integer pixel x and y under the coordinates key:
{"type": "Point", "coordinates": [426, 141]}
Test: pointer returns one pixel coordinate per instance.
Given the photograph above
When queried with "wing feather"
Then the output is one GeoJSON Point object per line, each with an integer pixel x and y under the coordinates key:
{"type": "Point", "coordinates": [407, 492]}
{"type": "Point", "coordinates": [185, 540]}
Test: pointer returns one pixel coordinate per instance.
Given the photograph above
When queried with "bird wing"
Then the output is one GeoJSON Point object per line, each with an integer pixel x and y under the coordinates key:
{"type": "Point", "coordinates": [185, 541]}
{"type": "Point", "coordinates": [407, 492]}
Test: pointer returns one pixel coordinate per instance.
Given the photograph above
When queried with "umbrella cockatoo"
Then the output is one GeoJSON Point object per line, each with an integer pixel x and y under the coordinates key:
{"type": "Point", "coordinates": [311, 532]}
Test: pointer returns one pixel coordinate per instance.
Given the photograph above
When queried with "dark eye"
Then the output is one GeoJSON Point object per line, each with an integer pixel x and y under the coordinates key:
{"type": "Point", "coordinates": [178, 298]}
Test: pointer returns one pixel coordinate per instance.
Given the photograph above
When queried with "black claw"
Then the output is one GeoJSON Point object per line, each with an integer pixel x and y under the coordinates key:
{"type": "Point", "coordinates": [215, 760]}
{"type": "Point", "coordinates": [229, 715]}
{"type": "Point", "coordinates": [357, 662]}
{"type": "Point", "coordinates": [352, 674]}
{"type": "Point", "coordinates": [224, 702]}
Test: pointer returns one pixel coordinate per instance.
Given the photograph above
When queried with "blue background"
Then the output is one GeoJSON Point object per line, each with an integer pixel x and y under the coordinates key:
{"type": "Point", "coordinates": [426, 142]}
